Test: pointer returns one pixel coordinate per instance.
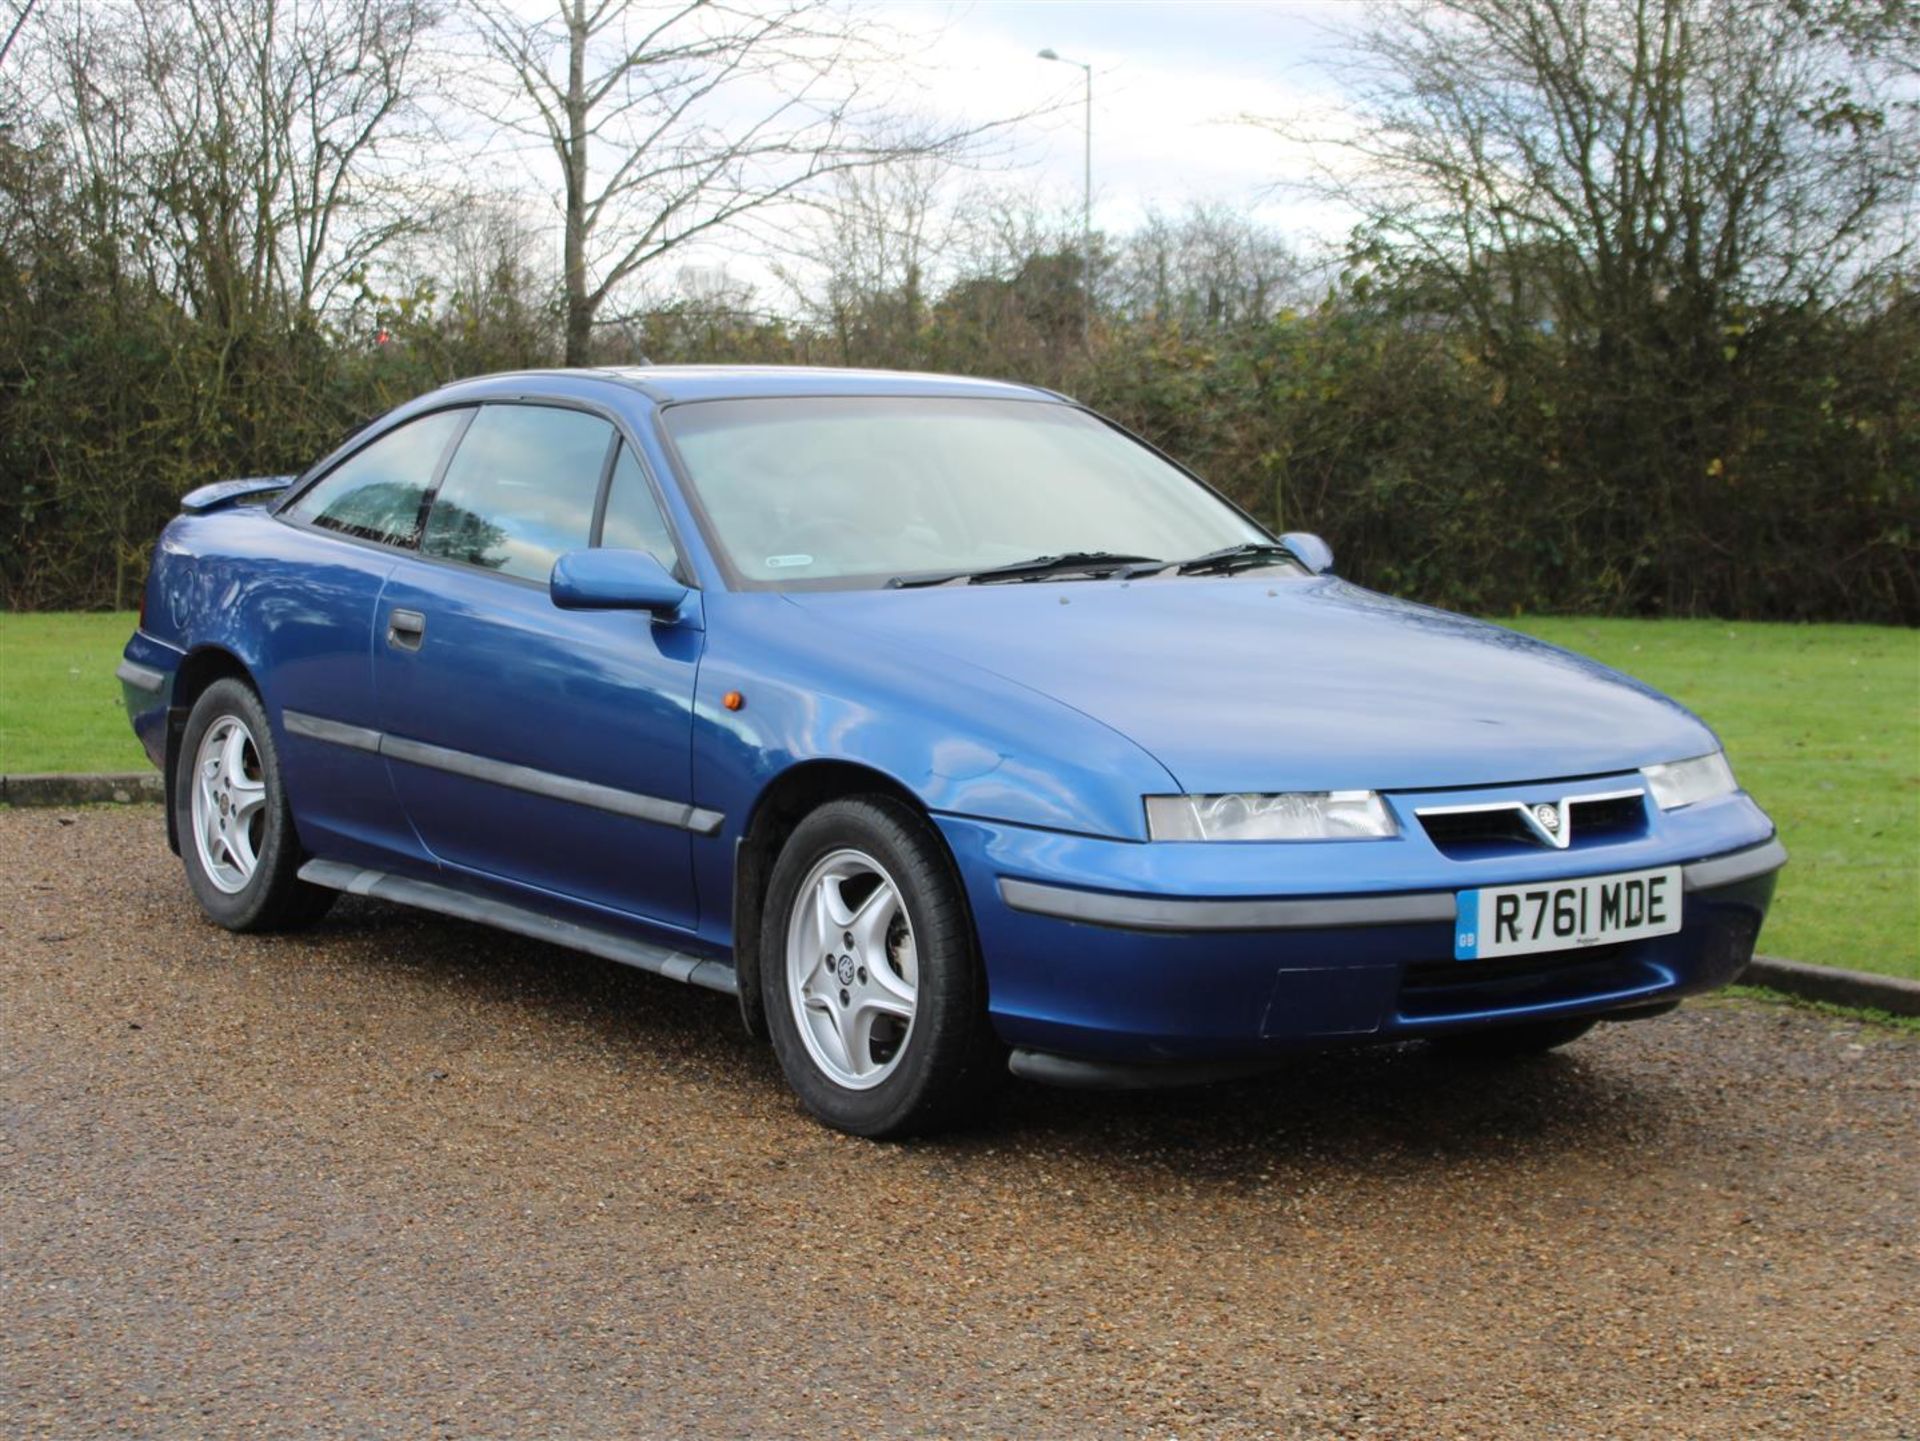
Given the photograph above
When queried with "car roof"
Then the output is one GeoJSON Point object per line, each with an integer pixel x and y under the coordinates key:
{"type": "Point", "coordinates": [670, 384]}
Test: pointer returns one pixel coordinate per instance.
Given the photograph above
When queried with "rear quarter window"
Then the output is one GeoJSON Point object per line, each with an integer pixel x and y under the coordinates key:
{"type": "Point", "coordinates": [379, 492]}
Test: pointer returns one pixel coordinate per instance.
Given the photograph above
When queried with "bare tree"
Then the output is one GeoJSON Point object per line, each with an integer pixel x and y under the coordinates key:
{"type": "Point", "coordinates": [222, 173]}
{"type": "Point", "coordinates": [14, 25]}
{"type": "Point", "coordinates": [1206, 268]}
{"type": "Point", "coordinates": [473, 290]}
{"type": "Point", "coordinates": [1660, 152]}
{"type": "Point", "coordinates": [868, 264]}
{"type": "Point", "coordinates": [675, 119]}
{"type": "Point", "coordinates": [1641, 219]}
{"type": "Point", "coordinates": [243, 145]}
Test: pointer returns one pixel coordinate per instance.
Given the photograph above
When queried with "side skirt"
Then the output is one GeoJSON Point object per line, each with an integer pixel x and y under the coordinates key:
{"type": "Point", "coordinates": [1079, 1074]}
{"type": "Point", "coordinates": [714, 975]}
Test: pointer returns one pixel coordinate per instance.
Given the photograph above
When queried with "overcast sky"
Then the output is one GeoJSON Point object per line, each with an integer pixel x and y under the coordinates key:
{"type": "Point", "coordinates": [1173, 87]}
{"type": "Point", "coordinates": [1172, 84]}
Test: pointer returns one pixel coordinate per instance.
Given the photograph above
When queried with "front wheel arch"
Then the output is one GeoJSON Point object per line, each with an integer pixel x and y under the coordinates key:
{"type": "Point", "coordinates": [949, 1063]}
{"type": "Point", "coordinates": [787, 800]}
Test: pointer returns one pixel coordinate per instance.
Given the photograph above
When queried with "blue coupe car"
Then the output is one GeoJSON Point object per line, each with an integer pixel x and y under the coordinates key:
{"type": "Point", "coordinates": [946, 725]}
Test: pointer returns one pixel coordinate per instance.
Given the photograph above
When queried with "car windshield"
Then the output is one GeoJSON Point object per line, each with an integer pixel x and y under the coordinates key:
{"type": "Point", "coordinates": [839, 492]}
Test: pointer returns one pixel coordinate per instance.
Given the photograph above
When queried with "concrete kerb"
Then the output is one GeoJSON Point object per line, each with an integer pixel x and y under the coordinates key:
{"type": "Point", "coordinates": [116, 788]}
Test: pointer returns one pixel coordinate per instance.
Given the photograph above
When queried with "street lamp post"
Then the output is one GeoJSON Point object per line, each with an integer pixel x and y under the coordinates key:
{"type": "Point", "coordinates": [1086, 203]}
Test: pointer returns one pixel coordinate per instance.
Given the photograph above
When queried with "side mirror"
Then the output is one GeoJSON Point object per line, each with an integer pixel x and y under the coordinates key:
{"type": "Point", "coordinates": [615, 580]}
{"type": "Point", "coordinates": [1311, 551]}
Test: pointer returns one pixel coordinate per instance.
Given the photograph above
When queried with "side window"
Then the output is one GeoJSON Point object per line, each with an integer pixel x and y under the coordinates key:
{"type": "Point", "coordinates": [520, 490]}
{"type": "Point", "coordinates": [633, 520]}
{"type": "Point", "coordinates": [377, 493]}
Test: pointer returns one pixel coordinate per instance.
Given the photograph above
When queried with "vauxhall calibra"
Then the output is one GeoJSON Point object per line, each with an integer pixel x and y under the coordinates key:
{"type": "Point", "coordinates": [949, 727]}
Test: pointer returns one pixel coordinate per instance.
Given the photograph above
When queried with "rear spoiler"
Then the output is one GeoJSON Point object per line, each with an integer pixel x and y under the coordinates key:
{"type": "Point", "coordinates": [225, 494]}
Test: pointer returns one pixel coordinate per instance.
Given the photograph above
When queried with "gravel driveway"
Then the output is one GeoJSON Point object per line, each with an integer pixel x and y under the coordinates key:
{"type": "Point", "coordinates": [403, 1176]}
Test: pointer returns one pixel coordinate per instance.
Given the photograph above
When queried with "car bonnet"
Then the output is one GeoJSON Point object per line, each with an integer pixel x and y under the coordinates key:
{"type": "Point", "coordinates": [1279, 682]}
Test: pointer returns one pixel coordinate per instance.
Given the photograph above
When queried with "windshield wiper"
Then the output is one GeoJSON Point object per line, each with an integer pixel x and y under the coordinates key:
{"type": "Point", "coordinates": [1245, 556]}
{"type": "Point", "coordinates": [1097, 562]}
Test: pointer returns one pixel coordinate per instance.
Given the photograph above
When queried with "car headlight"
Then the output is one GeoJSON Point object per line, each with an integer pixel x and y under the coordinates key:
{"type": "Point", "coordinates": [1682, 783]}
{"type": "Point", "coordinates": [1295, 816]}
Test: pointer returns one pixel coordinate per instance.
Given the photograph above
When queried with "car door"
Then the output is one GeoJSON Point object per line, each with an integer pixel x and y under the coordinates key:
{"type": "Point", "coordinates": [314, 612]}
{"type": "Point", "coordinates": [548, 748]}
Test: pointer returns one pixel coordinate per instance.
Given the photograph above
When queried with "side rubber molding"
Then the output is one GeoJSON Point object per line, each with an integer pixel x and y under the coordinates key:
{"type": "Point", "coordinates": [333, 732]}
{"type": "Point", "coordinates": [1261, 913]}
{"type": "Point", "coordinates": [503, 773]}
{"type": "Point", "coordinates": [714, 975]}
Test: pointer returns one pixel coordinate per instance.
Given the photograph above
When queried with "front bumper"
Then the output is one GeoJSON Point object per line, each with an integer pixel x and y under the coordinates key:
{"type": "Point", "coordinates": [1087, 958]}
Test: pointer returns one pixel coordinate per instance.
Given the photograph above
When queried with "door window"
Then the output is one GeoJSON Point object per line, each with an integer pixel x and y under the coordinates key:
{"type": "Point", "coordinates": [633, 520]}
{"type": "Point", "coordinates": [520, 490]}
{"type": "Point", "coordinates": [377, 492]}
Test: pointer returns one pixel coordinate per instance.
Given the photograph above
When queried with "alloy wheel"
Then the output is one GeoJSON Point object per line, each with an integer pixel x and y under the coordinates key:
{"type": "Point", "coordinates": [853, 974]}
{"type": "Point", "coordinates": [229, 804]}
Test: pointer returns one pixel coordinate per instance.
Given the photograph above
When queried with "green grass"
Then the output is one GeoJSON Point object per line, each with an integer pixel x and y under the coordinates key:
{"type": "Point", "coordinates": [59, 703]}
{"type": "Point", "coordinates": [1822, 724]}
{"type": "Point", "coordinates": [1886, 1020]}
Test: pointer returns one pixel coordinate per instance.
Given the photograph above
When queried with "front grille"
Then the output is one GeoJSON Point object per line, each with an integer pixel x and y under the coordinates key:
{"type": "Point", "coordinates": [1608, 819]}
{"type": "Point", "coordinates": [1462, 830]}
{"type": "Point", "coordinates": [1440, 989]}
{"type": "Point", "coordinates": [1502, 828]}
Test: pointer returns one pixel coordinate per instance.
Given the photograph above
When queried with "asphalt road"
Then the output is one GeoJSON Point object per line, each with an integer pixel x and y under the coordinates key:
{"type": "Point", "coordinates": [407, 1177]}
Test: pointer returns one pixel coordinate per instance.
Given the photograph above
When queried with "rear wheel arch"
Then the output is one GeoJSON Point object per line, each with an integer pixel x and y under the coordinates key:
{"type": "Point", "coordinates": [787, 800]}
{"type": "Point", "coordinates": [200, 669]}
{"type": "Point", "coordinates": [204, 666]}
{"type": "Point", "coordinates": [231, 814]}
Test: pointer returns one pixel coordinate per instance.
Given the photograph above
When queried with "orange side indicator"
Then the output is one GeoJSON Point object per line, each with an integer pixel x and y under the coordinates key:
{"type": "Point", "coordinates": [733, 700]}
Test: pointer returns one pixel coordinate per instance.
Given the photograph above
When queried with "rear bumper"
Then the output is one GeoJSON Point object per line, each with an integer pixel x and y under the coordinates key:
{"type": "Point", "coordinates": [1187, 980]}
{"type": "Point", "coordinates": [146, 674]}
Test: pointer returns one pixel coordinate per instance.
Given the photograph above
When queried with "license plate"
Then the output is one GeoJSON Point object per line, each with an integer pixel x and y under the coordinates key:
{"type": "Point", "coordinates": [1566, 915]}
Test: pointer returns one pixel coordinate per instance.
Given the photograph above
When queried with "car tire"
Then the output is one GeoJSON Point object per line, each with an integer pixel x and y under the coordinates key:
{"type": "Point", "coordinates": [237, 837]}
{"type": "Point", "coordinates": [864, 884]}
{"type": "Point", "coordinates": [1501, 1043]}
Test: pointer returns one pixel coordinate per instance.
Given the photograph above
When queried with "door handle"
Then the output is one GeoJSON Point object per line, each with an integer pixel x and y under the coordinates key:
{"type": "Point", "coordinates": [406, 629]}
